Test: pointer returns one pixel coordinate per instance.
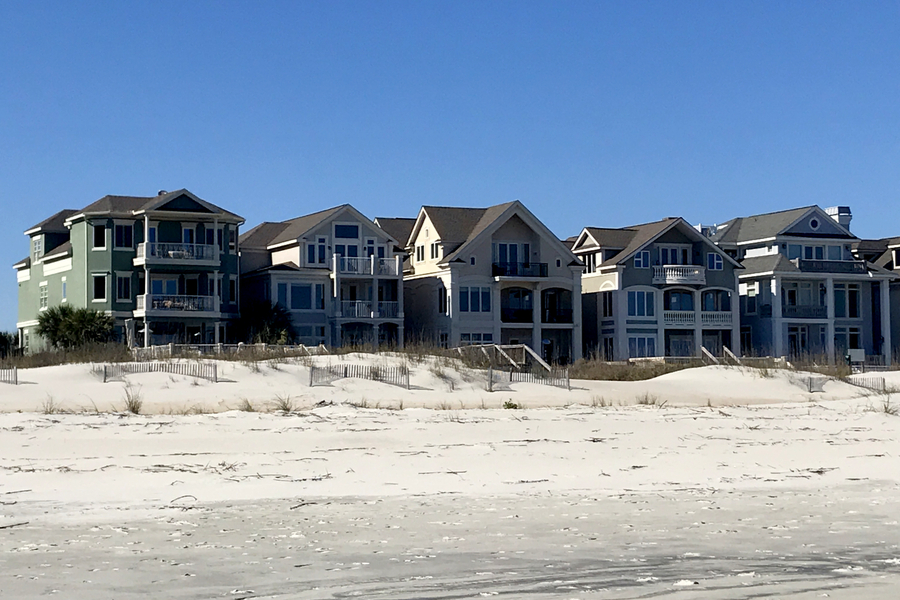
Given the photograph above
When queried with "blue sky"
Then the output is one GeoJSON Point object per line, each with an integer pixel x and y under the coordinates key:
{"type": "Point", "coordinates": [591, 113]}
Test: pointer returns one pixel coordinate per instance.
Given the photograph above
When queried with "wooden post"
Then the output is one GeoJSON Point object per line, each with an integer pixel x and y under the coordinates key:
{"type": "Point", "coordinates": [215, 373]}
{"type": "Point", "coordinates": [15, 375]}
{"type": "Point", "coordinates": [490, 378]}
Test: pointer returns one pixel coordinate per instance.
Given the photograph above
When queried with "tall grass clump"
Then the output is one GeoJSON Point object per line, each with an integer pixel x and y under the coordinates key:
{"type": "Point", "coordinates": [599, 370]}
{"type": "Point", "coordinates": [134, 400]}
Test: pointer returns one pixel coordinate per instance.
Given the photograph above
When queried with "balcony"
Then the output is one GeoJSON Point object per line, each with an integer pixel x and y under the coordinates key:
{"type": "Point", "coordinates": [356, 309]}
{"type": "Point", "coordinates": [150, 303]}
{"type": "Point", "coordinates": [518, 269]}
{"type": "Point", "coordinates": [716, 319]}
{"type": "Point", "coordinates": [367, 266]}
{"type": "Point", "coordinates": [176, 254]}
{"type": "Point", "coordinates": [679, 318]}
{"type": "Point", "coordinates": [516, 315]}
{"type": "Point", "coordinates": [559, 315]}
{"type": "Point", "coordinates": [804, 312]}
{"type": "Point", "coordinates": [675, 274]}
{"type": "Point", "coordinates": [831, 266]}
{"type": "Point", "coordinates": [389, 310]}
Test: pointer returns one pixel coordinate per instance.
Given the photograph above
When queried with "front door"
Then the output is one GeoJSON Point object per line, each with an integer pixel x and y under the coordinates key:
{"type": "Point", "coordinates": [798, 340]}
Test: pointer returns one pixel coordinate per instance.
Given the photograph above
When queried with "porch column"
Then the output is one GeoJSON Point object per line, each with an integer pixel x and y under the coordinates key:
{"type": "Point", "coordinates": [218, 326]}
{"type": "Point", "coordinates": [400, 298]}
{"type": "Point", "coordinates": [336, 292]}
{"type": "Point", "coordinates": [659, 308]}
{"type": "Point", "coordinates": [400, 334]}
{"type": "Point", "coordinates": [829, 327]}
{"type": "Point", "coordinates": [620, 307]}
{"type": "Point", "coordinates": [577, 320]}
{"type": "Point", "coordinates": [146, 330]}
{"type": "Point", "coordinates": [777, 321]}
{"type": "Point", "coordinates": [375, 335]}
{"type": "Point", "coordinates": [497, 311]}
{"type": "Point", "coordinates": [698, 324]}
{"type": "Point", "coordinates": [736, 318]}
{"type": "Point", "coordinates": [453, 290]}
{"type": "Point", "coordinates": [885, 308]}
{"type": "Point", "coordinates": [537, 316]}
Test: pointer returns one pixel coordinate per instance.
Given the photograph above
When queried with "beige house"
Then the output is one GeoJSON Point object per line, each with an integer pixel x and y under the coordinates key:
{"type": "Point", "coordinates": [492, 275]}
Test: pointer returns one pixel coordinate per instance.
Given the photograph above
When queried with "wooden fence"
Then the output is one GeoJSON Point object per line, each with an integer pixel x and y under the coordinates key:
{"type": "Point", "coordinates": [871, 383]}
{"type": "Point", "coordinates": [555, 377]}
{"type": "Point", "coordinates": [208, 371]}
{"type": "Point", "coordinates": [398, 376]}
{"type": "Point", "coordinates": [9, 376]}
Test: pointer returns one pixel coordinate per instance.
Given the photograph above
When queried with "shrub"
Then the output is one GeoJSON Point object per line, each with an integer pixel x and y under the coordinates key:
{"type": "Point", "coordinates": [66, 328]}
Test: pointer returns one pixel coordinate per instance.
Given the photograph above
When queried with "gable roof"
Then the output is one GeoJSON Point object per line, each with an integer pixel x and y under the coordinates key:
{"type": "Point", "coordinates": [300, 225]}
{"type": "Point", "coordinates": [768, 264]}
{"type": "Point", "coordinates": [605, 237]}
{"type": "Point", "coordinates": [54, 224]}
{"type": "Point", "coordinates": [769, 225]}
{"type": "Point", "coordinates": [262, 235]}
{"type": "Point", "coordinates": [133, 205]}
{"type": "Point", "coordinates": [64, 249]}
{"type": "Point", "coordinates": [398, 228]}
{"type": "Point", "coordinates": [641, 235]}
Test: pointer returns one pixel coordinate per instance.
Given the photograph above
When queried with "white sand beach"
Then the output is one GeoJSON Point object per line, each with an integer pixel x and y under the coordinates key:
{"type": "Point", "coordinates": [713, 482]}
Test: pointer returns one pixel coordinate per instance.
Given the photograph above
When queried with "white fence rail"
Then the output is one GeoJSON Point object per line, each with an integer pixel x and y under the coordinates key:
{"type": "Point", "coordinates": [398, 376]}
{"type": "Point", "coordinates": [9, 376]}
{"type": "Point", "coordinates": [107, 372]}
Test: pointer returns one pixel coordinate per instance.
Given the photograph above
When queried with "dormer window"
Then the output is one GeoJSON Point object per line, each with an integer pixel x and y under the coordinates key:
{"type": "Point", "coordinates": [37, 245]}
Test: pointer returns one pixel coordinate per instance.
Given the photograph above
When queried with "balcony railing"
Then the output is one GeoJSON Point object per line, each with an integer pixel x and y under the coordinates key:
{"type": "Point", "coordinates": [165, 250]}
{"type": "Point", "coordinates": [673, 274]}
{"type": "Point", "coordinates": [516, 315]}
{"type": "Point", "coordinates": [559, 315]}
{"type": "Point", "coordinates": [678, 317]}
{"type": "Point", "coordinates": [356, 309]}
{"type": "Point", "coordinates": [804, 312]}
{"type": "Point", "coordinates": [366, 265]}
{"type": "Point", "coordinates": [518, 269]}
{"type": "Point", "coordinates": [716, 319]}
{"type": "Point", "coordinates": [176, 303]}
{"type": "Point", "coordinates": [831, 266]}
{"type": "Point", "coordinates": [389, 310]}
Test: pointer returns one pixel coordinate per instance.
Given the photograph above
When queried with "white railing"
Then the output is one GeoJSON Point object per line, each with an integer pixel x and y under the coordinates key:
{"type": "Point", "coordinates": [166, 250]}
{"type": "Point", "coordinates": [353, 265]}
{"type": "Point", "coordinates": [678, 317]}
{"type": "Point", "coordinates": [389, 310]}
{"type": "Point", "coordinates": [180, 303]}
{"type": "Point", "coordinates": [670, 274]}
{"type": "Point", "coordinates": [716, 319]}
{"type": "Point", "coordinates": [387, 266]}
{"type": "Point", "coordinates": [356, 309]}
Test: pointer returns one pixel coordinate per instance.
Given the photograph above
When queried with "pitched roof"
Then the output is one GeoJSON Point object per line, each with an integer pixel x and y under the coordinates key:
{"type": "Point", "coordinates": [768, 264]}
{"type": "Point", "coordinates": [398, 228]}
{"type": "Point", "coordinates": [612, 238]}
{"type": "Point", "coordinates": [262, 235]}
{"type": "Point", "coordinates": [64, 249]}
{"type": "Point", "coordinates": [459, 225]}
{"type": "Point", "coordinates": [295, 228]}
{"type": "Point", "coordinates": [130, 204]}
{"type": "Point", "coordinates": [56, 223]}
{"type": "Point", "coordinates": [635, 238]}
{"type": "Point", "coordinates": [288, 266]}
{"type": "Point", "coordinates": [757, 227]}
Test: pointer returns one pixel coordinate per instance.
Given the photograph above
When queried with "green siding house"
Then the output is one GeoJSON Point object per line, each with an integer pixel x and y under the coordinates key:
{"type": "Point", "coordinates": [165, 267]}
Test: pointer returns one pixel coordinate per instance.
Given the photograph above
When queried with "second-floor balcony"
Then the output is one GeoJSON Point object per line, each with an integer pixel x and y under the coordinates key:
{"type": "Point", "coordinates": [516, 315]}
{"type": "Point", "coordinates": [804, 312]}
{"type": "Point", "coordinates": [831, 266]}
{"type": "Point", "coordinates": [366, 266]}
{"type": "Point", "coordinates": [176, 303]}
{"type": "Point", "coordinates": [165, 252]}
{"type": "Point", "coordinates": [675, 274]}
{"type": "Point", "coordinates": [518, 269]}
{"type": "Point", "coordinates": [716, 318]}
{"type": "Point", "coordinates": [558, 315]}
{"type": "Point", "coordinates": [679, 317]}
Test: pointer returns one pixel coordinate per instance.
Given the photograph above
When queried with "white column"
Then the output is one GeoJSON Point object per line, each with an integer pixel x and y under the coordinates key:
{"type": "Point", "coordinates": [659, 304]}
{"type": "Point", "coordinates": [577, 321]}
{"type": "Point", "coordinates": [453, 290]}
{"type": "Point", "coordinates": [698, 324]}
{"type": "Point", "coordinates": [537, 316]}
{"type": "Point", "coordinates": [337, 287]}
{"type": "Point", "coordinates": [829, 327]}
{"type": "Point", "coordinates": [886, 321]}
{"type": "Point", "coordinates": [620, 307]}
{"type": "Point", "coordinates": [777, 322]}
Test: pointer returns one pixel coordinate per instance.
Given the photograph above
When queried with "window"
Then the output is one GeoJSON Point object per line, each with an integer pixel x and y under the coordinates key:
{"type": "Point", "coordinates": [606, 301]}
{"type": "Point", "coordinates": [99, 237]}
{"type": "Point", "coordinates": [420, 253]}
{"type": "Point", "coordinates": [466, 339]}
{"type": "Point", "coordinates": [472, 260]}
{"type": "Point", "coordinates": [678, 300]}
{"type": "Point", "coordinates": [219, 238]}
{"type": "Point", "coordinates": [350, 232]}
{"type": "Point", "coordinates": [814, 223]}
{"type": "Point", "coordinates": [124, 236]}
{"type": "Point", "coordinates": [187, 235]}
{"type": "Point", "coordinates": [475, 299]}
{"type": "Point", "coordinates": [370, 247]}
{"type": "Point", "coordinates": [38, 247]}
{"type": "Point", "coordinates": [640, 346]}
{"type": "Point", "coordinates": [210, 237]}
{"type": "Point", "coordinates": [99, 288]}
{"type": "Point", "coordinates": [320, 297]}
{"type": "Point", "coordinates": [44, 296]}
{"type": "Point", "coordinates": [846, 300]}
{"type": "Point", "coordinates": [673, 256]}
{"type": "Point", "coordinates": [435, 250]}
{"type": "Point", "coordinates": [232, 289]}
{"type": "Point", "coordinates": [63, 299]}
{"type": "Point", "coordinates": [751, 298]}
{"type": "Point", "coordinates": [232, 239]}
{"type": "Point", "coordinates": [714, 262]}
{"type": "Point", "coordinates": [444, 340]}
{"type": "Point", "coordinates": [834, 253]}
{"type": "Point", "coordinates": [310, 254]}
{"type": "Point", "coordinates": [640, 304]}
{"type": "Point", "coordinates": [715, 301]}
{"type": "Point", "coordinates": [642, 260]}
{"type": "Point", "coordinates": [442, 300]}
{"type": "Point", "coordinates": [301, 296]}
{"type": "Point", "coordinates": [794, 251]}
{"type": "Point", "coordinates": [282, 294]}
{"type": "Point", "coordinates": [123, 287]}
